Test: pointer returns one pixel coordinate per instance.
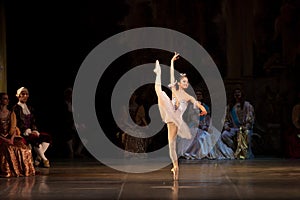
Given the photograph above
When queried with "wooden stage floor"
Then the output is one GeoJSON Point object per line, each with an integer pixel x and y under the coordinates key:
{"type": "Point", "coordinates": [259, 178]}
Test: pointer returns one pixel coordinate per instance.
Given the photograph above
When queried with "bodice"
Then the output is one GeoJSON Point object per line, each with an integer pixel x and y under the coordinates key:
{"type": "Point", "coordinates": [5, 125]}
{"type": "Point", "coordinates": [180, 106]}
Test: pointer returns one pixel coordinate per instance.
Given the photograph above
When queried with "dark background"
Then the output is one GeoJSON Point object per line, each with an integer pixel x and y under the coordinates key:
{"type": "Point", "coordinates": [48, 40]}
{"type": "Point", "coordinates": [46, 44]}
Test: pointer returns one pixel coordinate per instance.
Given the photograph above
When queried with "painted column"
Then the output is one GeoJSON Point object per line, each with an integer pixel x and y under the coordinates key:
{"type": "Point", "coordinates": [239, 30]}
{"type": "Point", "coordinates": [3, 71]}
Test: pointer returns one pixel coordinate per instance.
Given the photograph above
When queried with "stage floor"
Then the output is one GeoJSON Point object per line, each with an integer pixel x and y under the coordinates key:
{"type": "Point", "coordinates": [260, 178]}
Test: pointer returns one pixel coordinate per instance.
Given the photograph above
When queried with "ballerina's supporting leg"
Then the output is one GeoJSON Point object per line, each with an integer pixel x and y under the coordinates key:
{"type": "Point", "coordinates": [172, 134]}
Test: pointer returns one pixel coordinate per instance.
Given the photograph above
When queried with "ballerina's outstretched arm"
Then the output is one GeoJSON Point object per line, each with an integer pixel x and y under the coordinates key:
{"type": "Point", "coordinates": [172, 74]}
{"type": "Point", "coordinates": [199, 105]}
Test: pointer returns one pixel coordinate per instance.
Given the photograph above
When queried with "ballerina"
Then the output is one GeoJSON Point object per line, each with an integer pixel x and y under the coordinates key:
{"type": "Point", "coordinates": [171, 111]}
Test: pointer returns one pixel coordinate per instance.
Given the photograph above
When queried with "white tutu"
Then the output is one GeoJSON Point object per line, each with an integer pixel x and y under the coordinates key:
{"type": "Point", "coordinates": [170, 114]}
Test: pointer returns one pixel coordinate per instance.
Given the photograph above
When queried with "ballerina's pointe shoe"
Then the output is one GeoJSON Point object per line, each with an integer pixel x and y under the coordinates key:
{"type": "Point", "coordinates": [175, 173]}
{"type": "Point", "coordinates": [157, 67]}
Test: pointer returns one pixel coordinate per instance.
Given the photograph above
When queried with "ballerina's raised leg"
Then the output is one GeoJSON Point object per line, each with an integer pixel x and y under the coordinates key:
{"type": "Point", "coordinates": [172, 128]}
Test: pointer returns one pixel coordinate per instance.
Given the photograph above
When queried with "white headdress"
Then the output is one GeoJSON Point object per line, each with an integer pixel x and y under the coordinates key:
{"type": "Point", "coordinates": [25, 109]}
{"type": "Point", "coordinates": [21, 89]}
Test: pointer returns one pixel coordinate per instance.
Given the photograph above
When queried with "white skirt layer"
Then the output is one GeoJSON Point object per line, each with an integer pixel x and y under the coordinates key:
{"type": "Point", "coordinates": [169, 114]}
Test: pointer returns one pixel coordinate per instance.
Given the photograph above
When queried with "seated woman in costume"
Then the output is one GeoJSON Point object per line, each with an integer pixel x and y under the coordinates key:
{"type": "Point", "coordinates": [15, 156]}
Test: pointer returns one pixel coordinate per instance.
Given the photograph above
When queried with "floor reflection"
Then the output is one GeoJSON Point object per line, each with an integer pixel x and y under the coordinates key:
{"type": "Point", "coordinates": [211, 179]}
{"type": "Point", "coordinates": [175, 190]}
{"type": "Point", "coordinates": [20, 188]}
{"type": "Point", "coordinates": [25, 187]}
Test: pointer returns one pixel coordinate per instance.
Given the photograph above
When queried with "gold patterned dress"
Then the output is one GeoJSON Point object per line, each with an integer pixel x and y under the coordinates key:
{"type": "Point", "coordinates": [15, 159]}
